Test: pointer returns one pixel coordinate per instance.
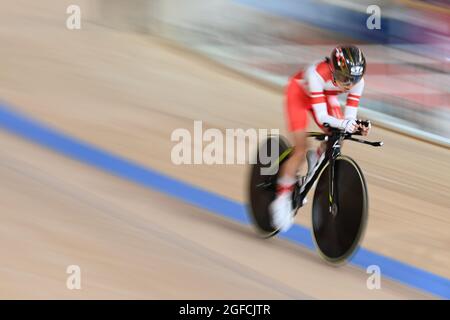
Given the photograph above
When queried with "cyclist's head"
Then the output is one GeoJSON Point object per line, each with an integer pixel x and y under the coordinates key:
{"type": "Point", "coordinates": [348, 66]}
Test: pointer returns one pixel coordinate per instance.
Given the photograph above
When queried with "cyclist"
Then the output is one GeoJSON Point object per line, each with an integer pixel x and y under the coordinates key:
{"type": "Point", "coordinates": [315, 89]}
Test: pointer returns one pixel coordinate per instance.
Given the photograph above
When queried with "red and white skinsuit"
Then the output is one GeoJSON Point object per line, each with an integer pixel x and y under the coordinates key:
{"type": "Point", "coordinates": [314, 90]}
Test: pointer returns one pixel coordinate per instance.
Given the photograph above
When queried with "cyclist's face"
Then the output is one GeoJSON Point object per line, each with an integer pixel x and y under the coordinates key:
{"type": "Point", "coordinates": [344, 86]}
{"type": "Point", "coordinates": [345, 83]}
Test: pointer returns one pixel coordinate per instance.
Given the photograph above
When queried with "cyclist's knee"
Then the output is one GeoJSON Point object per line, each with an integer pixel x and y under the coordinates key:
{"type": "Point", "coordinates": [299, 151]}
{"type": "Point", "coordinates": [300, 144]}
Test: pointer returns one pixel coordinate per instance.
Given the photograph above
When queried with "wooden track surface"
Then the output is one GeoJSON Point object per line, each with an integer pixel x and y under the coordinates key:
{"type": "Point", "coordinates": [126, 93]}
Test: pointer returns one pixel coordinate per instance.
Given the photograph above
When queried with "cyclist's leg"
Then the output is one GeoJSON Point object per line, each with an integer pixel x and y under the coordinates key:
{"type": "Point", "coordinates": [296, 159]}
{"type": "Point", "coordinates": [297, 117]}
{"type": "Point", "coordinates": [297, 102]}
{"type": "Point", "coordinates": [314, 154]}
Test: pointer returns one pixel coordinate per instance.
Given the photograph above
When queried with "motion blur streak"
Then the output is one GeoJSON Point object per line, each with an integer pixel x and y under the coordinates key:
{"type": "Point", "coordinates": [109, 95]}
{"type": "Point", "coordinates": [39, 133]}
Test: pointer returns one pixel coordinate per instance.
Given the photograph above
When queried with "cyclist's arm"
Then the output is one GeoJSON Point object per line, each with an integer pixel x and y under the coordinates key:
{"type": "Point", "coordinates": [351, 108]}
{"type": "Point", "coordinates": [322, 116]}
{"type": "Point", "coordinates": [333, 101]}
{"type": "Point", "coordinates": [318, 100]}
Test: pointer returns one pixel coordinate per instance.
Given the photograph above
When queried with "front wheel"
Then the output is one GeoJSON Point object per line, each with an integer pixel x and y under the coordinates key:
{"type": "Point", "coordinates": [338, 233]}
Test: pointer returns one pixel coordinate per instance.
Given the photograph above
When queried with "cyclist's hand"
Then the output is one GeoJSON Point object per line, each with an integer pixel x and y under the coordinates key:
{"type": "Point", "coordinates": [365, 129]}
{"type": "Point", "coordinates": [349, 125]}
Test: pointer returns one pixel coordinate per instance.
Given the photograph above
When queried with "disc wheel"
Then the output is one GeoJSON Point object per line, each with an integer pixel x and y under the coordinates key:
{"type": "Point", "coordinates": [262, 186]}
{"type": "Point", "coordinates": [337, 232]}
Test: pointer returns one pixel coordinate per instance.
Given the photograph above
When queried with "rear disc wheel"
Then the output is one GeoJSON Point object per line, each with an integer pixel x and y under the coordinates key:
{"type": "Point", "coordinates": [262, 186]}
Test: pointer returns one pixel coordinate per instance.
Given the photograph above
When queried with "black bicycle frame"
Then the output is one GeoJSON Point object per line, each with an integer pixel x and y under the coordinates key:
{"type": "Point", "coordinates": [333, 150]}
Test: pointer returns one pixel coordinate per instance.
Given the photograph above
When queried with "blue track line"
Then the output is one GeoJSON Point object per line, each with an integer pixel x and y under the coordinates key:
{"type": "Point", "coordinates": [73, 148]}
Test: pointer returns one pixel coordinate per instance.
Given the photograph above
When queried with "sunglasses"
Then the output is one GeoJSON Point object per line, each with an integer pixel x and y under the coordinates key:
{"type": "Point", "coordinates": [346, 80]}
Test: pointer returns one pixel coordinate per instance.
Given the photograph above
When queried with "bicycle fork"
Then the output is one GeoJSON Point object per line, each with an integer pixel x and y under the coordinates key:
{"type": "Point", "coordinates": [332, 204]}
